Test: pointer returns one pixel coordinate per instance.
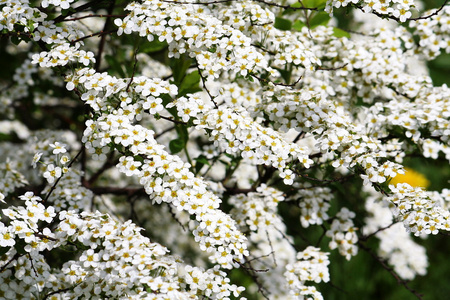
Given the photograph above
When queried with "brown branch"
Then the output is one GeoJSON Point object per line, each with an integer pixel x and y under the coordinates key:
{"type": "Point", "coordinates": [106, 165]}
{"type": "Point", "coordinates": [383, 16]}
{"type": "Point", "coordinates": [390, 270]}
{"type": "Point", "coordinates": [16, 256]}
{"type": "Point", "coordinates": [100, 33]}
{"type": "Point", "coordinates": [59, 178]}
{"type": "Point", "coordinates": [134, 69]}
{"type": "Point", "coordinates": [331, 69]}
{"type": "Point", "coordinates": [204, 86]}
{"type": "Point", "coordinates": [59, 291]}
{"type": "Point", "coordinates": [164, 132]}
{"type": "Point", "coordinates": [366, 237]}
{"type": "Point", "coordinates": [16, 33]}
{"type": "Point", "coordinates": [78, 9]}
{"type": "Point", "coordinates": [431, 15]}
{"type": "Point", "coordinates": [289, 7]}
{"type": "Point", "coordinates": [100, 190]}
{"type": "Point", "coordinates": [171, 119]}
{"type": "Point", "coordinates": [292, 85]}
{"type": "Point", "coordinates": [252, 272]}
{"type": "Point", "coordinates": [101, 45]}
{"type": "Point", "coordinates": [43, 236]}
{"type": "Point", "coordinates": [95, 16]}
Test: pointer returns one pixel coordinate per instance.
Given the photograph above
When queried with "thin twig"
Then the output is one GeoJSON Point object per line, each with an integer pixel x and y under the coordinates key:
{"type": "Point", "coordinates": [16, 256]}
{"type": "Point", "coordinates": [59, 291]}
{"type": "Point", "coordinates": [59, 178]}
{"type": "Point", "coordinates": [431, 15]}
{"type": "Point", "coordinates": [101, 45]}
{"type": "Point", "coordinates": [366, 237]}
{"type": "Point", "coordinates": [171, 119]}
{"type": "Point", "coordinates": [206, 89]}
{"type": "Point", "coordinates": [134, 69]}
{"type": "Point", "coordinates": [78, 9]}
{"type": "Point", "coordinates": [390, 270]}
{"type": "Point", "coordinates": [100, 33]}
{"type": "Point", "coordinates": [331, 69]}
{"type": "Point", "coordinates": [95, 16]}
{"type": "Point", "coordinates": [271, 248]}
{"type": "Point", "coordinates": [292, 85]}
{"type": "Point", "coordinates": [288, 7]}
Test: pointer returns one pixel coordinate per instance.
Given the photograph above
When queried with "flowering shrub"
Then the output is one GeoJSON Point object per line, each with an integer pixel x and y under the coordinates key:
{"type": "Point", "coordinates": [228, 149]}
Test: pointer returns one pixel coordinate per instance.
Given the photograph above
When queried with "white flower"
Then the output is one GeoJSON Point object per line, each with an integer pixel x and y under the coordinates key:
{"type": "Point", "coordinates": [51, 173]}
{"type": "Point", "coordinates": [36, 159]}
{"type": "Point", "coordinates": [58, 148]}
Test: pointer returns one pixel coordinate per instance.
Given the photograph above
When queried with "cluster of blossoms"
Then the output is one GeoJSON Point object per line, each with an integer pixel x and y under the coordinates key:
{"type": "Point", "coordinates": [11, 177]}
{"type": "Point", "coordinates": [113, 259]}
{"type": "Point", "coordinates": [35, 23]}
{"type": "Point", "coordinates": [396, 245]}
{"type": "Point", "coordinates": [343, 234]}
{"type": "Point", "coordinates": [193, 30]}
{"type": "Point", "coordinates": [166, 178]}
{"type": "Point", "coordinates": [61, 55]}
{"type": "Point", "coordinates": [434, 33]}
{"type": "Point", "coordinates": [420, 211]}
{"type": "Point", "coordinates": [312, 265]}
{"type": "Point", "coordinates": [399, 9]}
{"type": "Point", "coordinates": [247, 90]}
{"type": "Point", "coordinates": [314, 204]}
{"type": "Point", "coordinates": [257, 210]}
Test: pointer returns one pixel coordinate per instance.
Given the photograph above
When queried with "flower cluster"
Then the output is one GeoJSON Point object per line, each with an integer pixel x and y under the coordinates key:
{"type": "Point", "coordinates": [396, 245]}
{"type": "Point", "coordinates": [11, 178]}
{"type": "Point", "coordinates": [434, 33]}
{"type": "Point", "coordinates": [165, 177]}
{"type": "Point", "coordinates": [343, 234]}
{"type": "Point", "coordinates": [257, 210]}
{"type": "Point", "coordinates": [314, 204]}
{"type": "Point", "coordinates": [420, 211]}
{"type": "Point", "coordinates": [239, 122]}
{"type": "Point", "coordinates": [61, 55]}
{"type": "Point", "coordinates": [398, 9]}
{"type": "Point", "coordinates": [217, 47]}
{"type": "Point", "coordinates": [113, 258]}
{"type": "Point", "coordinates": [311, 265]}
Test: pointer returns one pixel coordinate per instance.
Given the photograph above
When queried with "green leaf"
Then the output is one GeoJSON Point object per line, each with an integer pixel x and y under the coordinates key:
{"type": "Point", "coordinates": [182, 132]}
{"type": "Point", "coordinates": [151, 47]}
{"type": "Point", "coordinates": [340, 33]}
{"type": "Point", "coordinates": [4, 250]}
{"type": "Point", "coordinates": [285, 74]}
{"type": "Point", "coordinates": [179, 67]}
{"type": "Point", "coordinates": [282, 24]}
{"type": "Point", "coordinates": [20, 246]}
{"type": "Point", "coordinates": [201, 160]}
{"type": "Point", "coordinates": [298, 25]}
{"type": "Point", "coordinates": [176, 145]}
{"type": "Point", "coordinates": [321, 18]}
{"type": "Point", "coordinates": [15, 40]}
{"type": "Point", "coordinates": [190, 84]}
{"type": "Point", "coordinates": [115, 65]}
{"type": "Point", "coordinates": [319, 4]}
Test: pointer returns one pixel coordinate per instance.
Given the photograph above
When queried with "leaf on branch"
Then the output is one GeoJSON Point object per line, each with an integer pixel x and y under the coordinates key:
{"type": "Point", "coordinates": [321, 18]}
{"type": "Point", "coordinates": [298, 25]}
{"type": "Point", "coordinates": [201, 160]}
{"type": "Point", "coordinates": [340, 33]}
{"type": "Point", "coordinates": [176, 145]}
{"type": "Point", "coordinates": [115, 65]}
{"type": "Point", "coordinates": [190, 84]}
{"type": "Point", "coordinates": [282, 24]}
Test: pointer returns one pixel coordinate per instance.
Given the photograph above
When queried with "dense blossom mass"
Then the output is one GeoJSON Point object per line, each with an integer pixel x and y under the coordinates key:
{"type": "Point", "coordinates": [164, 149]}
